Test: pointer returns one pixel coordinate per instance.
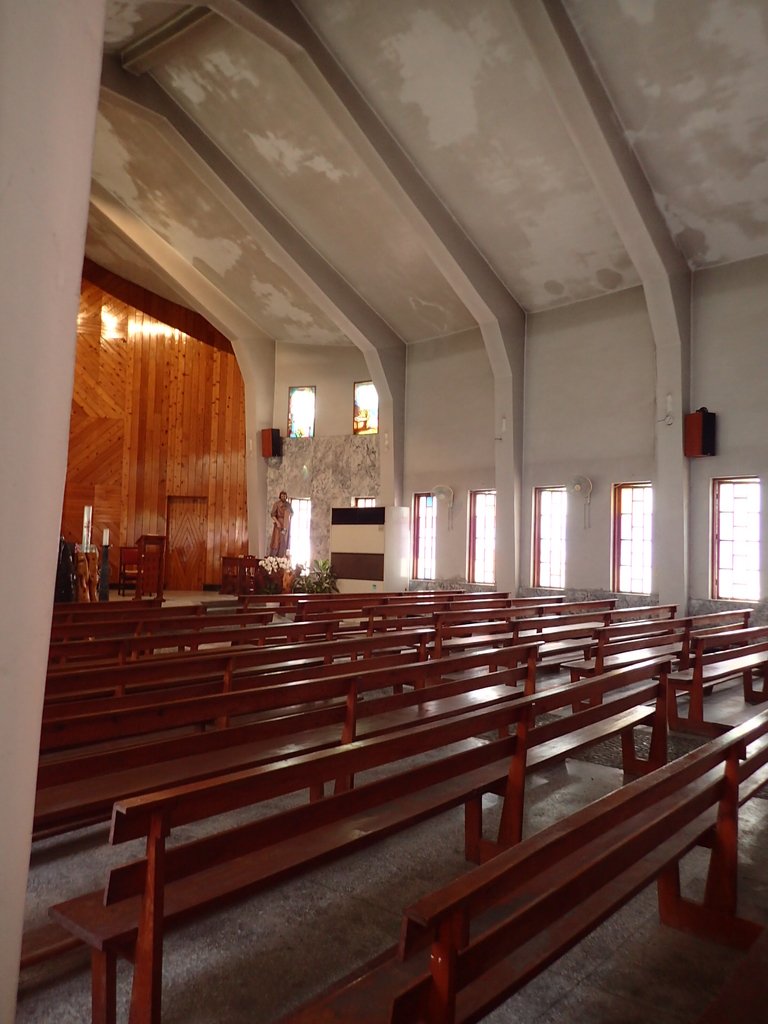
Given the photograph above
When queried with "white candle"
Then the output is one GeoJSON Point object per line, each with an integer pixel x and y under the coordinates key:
{"type": "Point", "coordinates": [87, 517]}
{"type": "Point", "coordinates": [105, 538]}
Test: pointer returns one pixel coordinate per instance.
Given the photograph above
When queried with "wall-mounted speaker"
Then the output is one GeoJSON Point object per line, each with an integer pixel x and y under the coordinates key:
{"type": "Point", "coordinates": [699, 434]}
{"type": "Point", "coordinates": [271, 443]}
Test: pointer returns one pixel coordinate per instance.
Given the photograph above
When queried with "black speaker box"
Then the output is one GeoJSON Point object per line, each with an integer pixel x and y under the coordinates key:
{"type": "Point", "coordinates": [271, 442]}
{"type": "Point", "coordinates": [699, 434]}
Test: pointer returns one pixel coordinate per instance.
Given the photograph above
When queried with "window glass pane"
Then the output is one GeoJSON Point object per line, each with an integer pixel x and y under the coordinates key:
{"type": "Point", "coordinates": [736, 521]}
{"type": "Point", "coordinates": [301, 552]}
{"type": "Point", "coordinates": [549, 540]}
{"type": "Point", "coordinates": [482, 540]}
{"type": "Point", "coordinates": [366, 411]}
{"type": "Point", "coordinates": [633, 526]}
{"type": "Point", "coordinates": [424, 523]}
{"type": "Point", "coordinates": [301, 412]}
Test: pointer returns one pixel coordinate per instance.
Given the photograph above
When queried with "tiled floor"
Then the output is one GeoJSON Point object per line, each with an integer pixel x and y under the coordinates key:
{"type": "Point", "coordinates": [254, 961]}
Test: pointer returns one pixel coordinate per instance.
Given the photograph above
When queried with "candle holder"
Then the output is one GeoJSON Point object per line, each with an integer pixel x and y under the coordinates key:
{"type": "Point", "coordinates": [104, 573]}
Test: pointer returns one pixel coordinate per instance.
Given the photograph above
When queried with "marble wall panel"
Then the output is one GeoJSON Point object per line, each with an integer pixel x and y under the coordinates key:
{"type": "Point", "coordinates": [330, 471]}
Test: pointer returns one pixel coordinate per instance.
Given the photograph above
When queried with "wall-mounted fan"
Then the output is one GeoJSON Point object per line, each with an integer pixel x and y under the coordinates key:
{"type": "Point", "coordinates": [581, 487]}
{"type": "Point", "coordinates": [444, 496]}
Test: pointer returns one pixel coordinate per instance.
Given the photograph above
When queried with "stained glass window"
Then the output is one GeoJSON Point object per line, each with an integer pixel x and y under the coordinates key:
{"type": "Point", "coordinates": [301, 412]}
{"type": "Point", "coordinates": [366, 414]}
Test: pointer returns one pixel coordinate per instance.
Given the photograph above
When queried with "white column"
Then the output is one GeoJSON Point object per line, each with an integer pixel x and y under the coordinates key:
{"type": "Point", "coordinates": [256, 359]}
{"type": "Point", "coordinates": [50, 58]}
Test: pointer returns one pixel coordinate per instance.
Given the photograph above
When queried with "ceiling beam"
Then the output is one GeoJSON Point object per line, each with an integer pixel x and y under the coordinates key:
{"type": "Point", "coordinates": [145, 51]}
{"type": "Point", "coordinates": [498, 314]}
{"type": "Point", "coordinates": [383, 348]}
{"type": "Point", "coordinates": [307, 266]}
{"type": "Point", "coordinates": [171, 266]}
{"type": "Point", "coordinates": [593, 125]}
{"type": "Point", "coordinates": [452, 251]}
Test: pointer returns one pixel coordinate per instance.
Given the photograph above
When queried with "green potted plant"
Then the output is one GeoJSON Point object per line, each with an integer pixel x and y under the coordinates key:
{"type": "Point", "coordinates": [320, 579]}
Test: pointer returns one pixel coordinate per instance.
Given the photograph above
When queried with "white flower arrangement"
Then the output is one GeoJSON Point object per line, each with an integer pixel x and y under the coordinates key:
{"type": "Point", "coordinates": [270, 564]}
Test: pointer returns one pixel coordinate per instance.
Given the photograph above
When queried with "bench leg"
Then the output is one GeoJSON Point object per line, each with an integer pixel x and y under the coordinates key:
{"type": "Point", "coordinates": [752, 694]}
{"type": "Point", "coordinates": [103, 987]}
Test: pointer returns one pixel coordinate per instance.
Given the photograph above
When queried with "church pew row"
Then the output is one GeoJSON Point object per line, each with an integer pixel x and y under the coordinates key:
{"type": "Point", "coordinates": [107, 626]}
{"type": "Point", "coordinates": [90, 760]}
{"type": "Point", "coordinates": [566, 630]}
{"type": "Point", "coordinates": [716, 657]}
{"type": "Point", "coordinates": [255, 632]}
{"type": "Point", "coordinates": [74, 611]}
{"type": "Point", "coordinates": [171, 884]}
{"type": "Point", "coordinates": [618, 645]}
{"type": "Point", "coordinates": [470, 945]}
{"type": "Point", "coordinates": [238, 629]}
{"type": "Point", "coordinates": [172, 670]}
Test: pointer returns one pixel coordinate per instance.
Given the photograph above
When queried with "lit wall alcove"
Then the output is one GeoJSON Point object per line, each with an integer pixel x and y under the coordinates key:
{"type": "Point", "coordinates": [157, 416]}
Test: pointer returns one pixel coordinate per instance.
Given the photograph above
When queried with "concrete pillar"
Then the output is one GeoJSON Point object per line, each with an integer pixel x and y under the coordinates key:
{"type": "Point", "coordinates": [50, 60]}
{"type": "Point", "coordinates": [256, 359]}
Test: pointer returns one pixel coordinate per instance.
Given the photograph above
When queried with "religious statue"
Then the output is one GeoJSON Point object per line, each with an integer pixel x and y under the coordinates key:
{"type": "Point", "coordinates": [281, 513]}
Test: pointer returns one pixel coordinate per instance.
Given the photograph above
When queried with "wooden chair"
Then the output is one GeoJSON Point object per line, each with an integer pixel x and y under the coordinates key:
{"type": "Point", "coordinates": [129, 568]}
{"type": "Point", "coordinates": [150, 575]}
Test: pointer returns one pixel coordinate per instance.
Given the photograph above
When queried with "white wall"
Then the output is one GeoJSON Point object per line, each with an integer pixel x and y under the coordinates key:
{"type": "Point", "coordinates": [449, 434]}
{"type": "Point", "coordinates": [589, 411]}
{"type": "Point", "coordinates": [729, 377]}
{"type": "Point", "coordinates": [331, 369]}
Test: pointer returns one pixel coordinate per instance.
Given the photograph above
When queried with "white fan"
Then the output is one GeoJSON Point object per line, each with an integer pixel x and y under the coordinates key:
{"type": "Point", "coordinates": [581, 487]}
{"type": "Point", "coordinates": [445, 496]}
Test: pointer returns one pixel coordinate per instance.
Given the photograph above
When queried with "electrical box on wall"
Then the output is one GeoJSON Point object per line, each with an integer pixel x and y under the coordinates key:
{"type": "Point", "coordinates": [699, 434]}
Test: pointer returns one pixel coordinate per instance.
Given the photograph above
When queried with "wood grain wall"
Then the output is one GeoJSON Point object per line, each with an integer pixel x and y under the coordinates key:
{"type": "Point", "coordinates": [156, 414]}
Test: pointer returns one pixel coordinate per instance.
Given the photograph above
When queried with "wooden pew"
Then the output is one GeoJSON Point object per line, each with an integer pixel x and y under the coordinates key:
{"type": "Point", "coordinates": [107, 626]}
{"type": "Point", "coordinates": [620, 644]}
{"type": "Point", "coordinates": [715, 657]}
{"type": "Point", "coordinates": [173, 670]}
{"type": "Point", "coordinates": [144, 898]}
{"type": "Point", "coordinates": [91, 767]}
{"type": "Point", "coordinates": [452, 628]}
{"type": "Point", "coordinates": [468, 946]}
{"type": "Point", "coordinates": [119, 650]}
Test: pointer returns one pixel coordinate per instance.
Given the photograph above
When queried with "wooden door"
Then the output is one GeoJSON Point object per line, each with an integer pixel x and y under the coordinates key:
{"type": "Point", "coordinates": [187, 530]}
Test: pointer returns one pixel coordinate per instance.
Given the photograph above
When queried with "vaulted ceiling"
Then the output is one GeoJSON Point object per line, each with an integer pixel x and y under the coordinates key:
{"type": "Point", "coordinates": [299, 161]}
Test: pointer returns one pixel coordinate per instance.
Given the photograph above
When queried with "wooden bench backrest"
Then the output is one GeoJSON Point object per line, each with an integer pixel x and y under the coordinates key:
{"type": "Point", "coordinates": [186, 804]}
{"type": "Point", "coordinates": [506, 665]}
{"type": "Point", "coordinates": [577, 857]}
{"type": "Point", "coordinates": [162, 666]}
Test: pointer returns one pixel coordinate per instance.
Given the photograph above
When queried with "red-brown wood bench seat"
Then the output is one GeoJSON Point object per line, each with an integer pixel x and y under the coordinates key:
{"type": "Point", "coordinates": [142, 899]}
{"type": "Point", "coordinates": [716, 657]}
{"type": "Point", "coordinates": [467, 947]}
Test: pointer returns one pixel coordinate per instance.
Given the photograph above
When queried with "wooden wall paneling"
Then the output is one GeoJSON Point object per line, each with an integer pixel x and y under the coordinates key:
{"type": "Point", "coordinates": [242, 496]}
{"type": "Point", "coordinates": [154, 416]}
{"type": "Point", "coordinates": [214, 501]}
{"type": "Point", "coordinates": [174, 412]}
{"type": "Point", "coordinates": [229, 434]}
{"type": "Point", "coordinates": [128, 535]}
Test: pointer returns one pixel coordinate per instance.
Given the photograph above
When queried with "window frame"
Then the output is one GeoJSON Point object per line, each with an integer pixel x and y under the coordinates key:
{"type": "Point", "coordinates": [616, 517]}
{"type": "Point", "coordinates": [363, 502]}
{"type": "Point", "coordinates": [538, 493]}
{"type": "Point", "coordinates": [416, 534]}
{"type": "Point", "coordinates": [715, 569]}
{"type": "Point", "coordinates": [472, 546]}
